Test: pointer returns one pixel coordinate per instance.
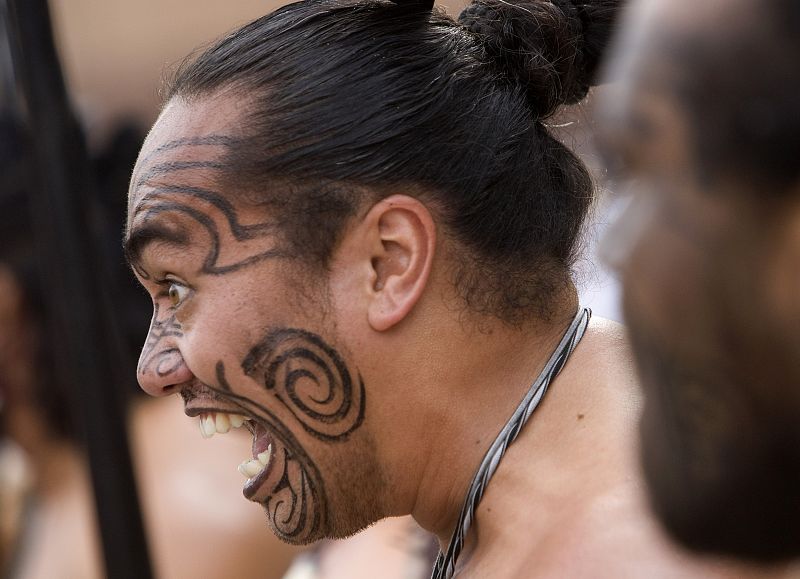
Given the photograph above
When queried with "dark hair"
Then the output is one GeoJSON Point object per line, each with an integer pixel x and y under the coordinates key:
{"type": "Point", "coordinates": [347, 101]}
{"type": "Point", "coordinates": [740, 90]}
{"type": "Point", "coordinates": [18, 253]}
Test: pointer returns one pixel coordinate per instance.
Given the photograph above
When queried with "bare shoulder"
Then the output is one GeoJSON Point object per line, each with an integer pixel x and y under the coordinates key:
{"type": "Point", "coordinates": [615, 536]}
{"type": "Point", "coordinates": [607, 327]}
{"type": "Point", "coordinates": [604, 353]}
{"type": "Point", "coordinates": [607, 335]}
{"type": "Point", "coordinates": [603, 359]}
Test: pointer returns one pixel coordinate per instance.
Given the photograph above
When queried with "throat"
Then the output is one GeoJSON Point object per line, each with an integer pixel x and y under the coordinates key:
{"type": "Point", "coordinates": [500, 444]}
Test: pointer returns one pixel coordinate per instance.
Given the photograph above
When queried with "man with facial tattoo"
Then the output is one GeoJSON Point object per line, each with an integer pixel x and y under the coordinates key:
{"type": "Point", "coordinates": [357, 232]}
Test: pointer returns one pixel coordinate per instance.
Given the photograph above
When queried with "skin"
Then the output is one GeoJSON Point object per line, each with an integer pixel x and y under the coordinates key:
{"type": "Point", "coordinates": [422, 385]}
{"type": "Point", "coordinates": [709, 265]}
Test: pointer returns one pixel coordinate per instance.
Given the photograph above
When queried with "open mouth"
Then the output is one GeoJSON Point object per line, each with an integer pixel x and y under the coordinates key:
{"type": "Point", "coordinates": [256, 469]}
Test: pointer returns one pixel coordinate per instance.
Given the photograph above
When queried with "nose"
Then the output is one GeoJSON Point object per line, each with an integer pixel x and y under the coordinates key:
{"type": "Point", "coordinates": [164, 372]}
{"type": "Point", "coordinates": [628, 219]}
{"type": "Point", "coordinates": [162, 369]}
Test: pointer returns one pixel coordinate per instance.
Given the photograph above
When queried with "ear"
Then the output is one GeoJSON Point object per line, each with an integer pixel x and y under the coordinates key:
{"type": "Point", "coordinates": [402, 237]}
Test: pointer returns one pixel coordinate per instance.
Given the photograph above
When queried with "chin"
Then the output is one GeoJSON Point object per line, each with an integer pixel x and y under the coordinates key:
{"type": "Point", "coordinates": [288, 538]}
{"type": "Point", "coordinates": [742, 504]}
{"type": "Point", "coordinates": [742, 519]}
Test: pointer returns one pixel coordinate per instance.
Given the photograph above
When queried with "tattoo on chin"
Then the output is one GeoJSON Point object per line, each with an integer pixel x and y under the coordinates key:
{"type": "Point", "coordinates": [297, 503]}
{"type": "Point", "coordinates": [311, 380]}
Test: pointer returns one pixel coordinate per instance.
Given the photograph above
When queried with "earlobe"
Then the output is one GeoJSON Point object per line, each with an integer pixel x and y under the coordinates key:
{"type": "Point", "coordinates": [405, 242]}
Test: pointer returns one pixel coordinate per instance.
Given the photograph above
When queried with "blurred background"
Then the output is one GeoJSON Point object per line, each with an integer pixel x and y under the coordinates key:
{"type": "Point", "coordinates": [114, 56]}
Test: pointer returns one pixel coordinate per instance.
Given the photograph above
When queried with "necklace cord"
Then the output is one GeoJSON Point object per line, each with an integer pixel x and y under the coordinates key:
{"type": "Point", "coordinates": [446, 562]}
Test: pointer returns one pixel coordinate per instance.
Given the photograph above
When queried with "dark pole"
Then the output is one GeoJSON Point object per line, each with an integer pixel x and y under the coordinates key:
{"type": "Point", "coordinates": [87, 342]}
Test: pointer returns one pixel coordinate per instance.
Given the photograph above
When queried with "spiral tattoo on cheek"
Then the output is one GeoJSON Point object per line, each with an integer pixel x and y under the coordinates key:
{"type": "Point", "coordinates": [311, 380]}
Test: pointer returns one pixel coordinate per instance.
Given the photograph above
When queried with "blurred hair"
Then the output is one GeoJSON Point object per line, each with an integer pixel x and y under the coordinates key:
{"type": "Point", "coordinates": [740, 87]}
{"type": "Point", "coordinates": [18, 251]}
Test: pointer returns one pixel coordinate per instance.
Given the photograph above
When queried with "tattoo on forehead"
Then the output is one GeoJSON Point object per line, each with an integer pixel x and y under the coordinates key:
{"type": "Point", "coordinates": [168, 167]}
{"type": "Point", "coordinates": [219, 218]}
{"type": "Point", "coordinates": [137, 179]}
{"type": "Point", "coordinates": [208, 141]}
{"type": "Point", "coordinates": [311, 379]}
{"type": "Point", "coordinates": [168, 360]}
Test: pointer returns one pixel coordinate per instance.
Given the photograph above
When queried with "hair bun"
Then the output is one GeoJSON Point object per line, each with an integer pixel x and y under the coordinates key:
{"type": "Point", "coordinates": [551, 47]}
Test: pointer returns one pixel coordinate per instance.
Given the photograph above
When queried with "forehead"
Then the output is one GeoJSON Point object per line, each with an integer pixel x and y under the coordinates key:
{"type": "Point", "coordinates": [657, 36]}
{"type": "Point", "coordinates": [180, 202]}
{"type": "Point", "coordinates": [191, 119]}
{"type": "Point", "coordinates": [641, 119]}
{"type": "Point", "coordinates": [187, 135]}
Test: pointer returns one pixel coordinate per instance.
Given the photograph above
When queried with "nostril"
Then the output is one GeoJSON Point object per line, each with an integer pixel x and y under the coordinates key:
{"type": "Point", "coordinates": [163, 372]}
{"type": "Point", "coordinates": [171, 389]}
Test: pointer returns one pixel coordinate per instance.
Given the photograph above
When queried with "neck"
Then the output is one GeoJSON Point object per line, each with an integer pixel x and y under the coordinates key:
{"type": "Point", "coordinates": [466, 381]}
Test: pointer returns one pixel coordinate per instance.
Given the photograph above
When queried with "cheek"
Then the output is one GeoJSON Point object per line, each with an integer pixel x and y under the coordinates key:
{"type": "Point", "coordinates": [222, 324]}
{"type": "Point", "coordinates": [673, 311]}
{"type": "Point", "coordinates": [680, 305]}
{"type": "Point", "coordinates": [214, 334]}
{"type": "Point", "coordinates": [663, 282]}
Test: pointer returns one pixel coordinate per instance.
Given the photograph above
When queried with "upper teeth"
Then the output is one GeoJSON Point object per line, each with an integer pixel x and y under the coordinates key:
{"type": "Point", "coordinates": [213, 422]}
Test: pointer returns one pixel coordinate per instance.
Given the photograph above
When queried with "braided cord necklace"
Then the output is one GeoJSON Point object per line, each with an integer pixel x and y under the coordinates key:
{"type": "Point", "coordinates": [446, 562]}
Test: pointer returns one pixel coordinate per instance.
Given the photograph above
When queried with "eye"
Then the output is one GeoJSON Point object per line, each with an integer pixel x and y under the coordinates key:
{"type": "Point", "coordinates": [177, 293]}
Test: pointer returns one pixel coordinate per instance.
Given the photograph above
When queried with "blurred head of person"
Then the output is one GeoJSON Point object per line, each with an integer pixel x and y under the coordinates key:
{"type": "Point", "coordinates": [28, 381]}
{"type": "Point", "coordinates": [703, 119]}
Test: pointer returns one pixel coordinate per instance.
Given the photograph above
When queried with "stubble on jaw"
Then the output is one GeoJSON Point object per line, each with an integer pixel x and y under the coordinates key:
{"type": "Point", "coordinates": [330, 488]}
{"type": "Point", "coordinates": [721, 407]}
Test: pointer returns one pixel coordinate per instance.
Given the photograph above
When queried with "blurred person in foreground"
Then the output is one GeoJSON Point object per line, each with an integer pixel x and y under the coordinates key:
{"type": "Point", "coordinates": [357, 232]}
{"type": "Point", "coordinates": [46, 505]}
{"type": "Point", "coordinates": [704, 119]}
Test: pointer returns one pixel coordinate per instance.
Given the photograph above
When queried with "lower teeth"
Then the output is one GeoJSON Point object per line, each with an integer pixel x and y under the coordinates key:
{"type": "Point", "coordinates": [253, 467]}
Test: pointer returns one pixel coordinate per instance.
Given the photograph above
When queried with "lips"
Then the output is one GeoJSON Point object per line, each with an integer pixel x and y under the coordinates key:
{"type": "Point", "coordinates": [281, 477]}
{"type": "Point", "coordinates": [257, 469]}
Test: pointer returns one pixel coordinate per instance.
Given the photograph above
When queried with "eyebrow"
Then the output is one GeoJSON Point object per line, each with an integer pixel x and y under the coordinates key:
{"type": "Point", "coordinates": [139, 238]}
